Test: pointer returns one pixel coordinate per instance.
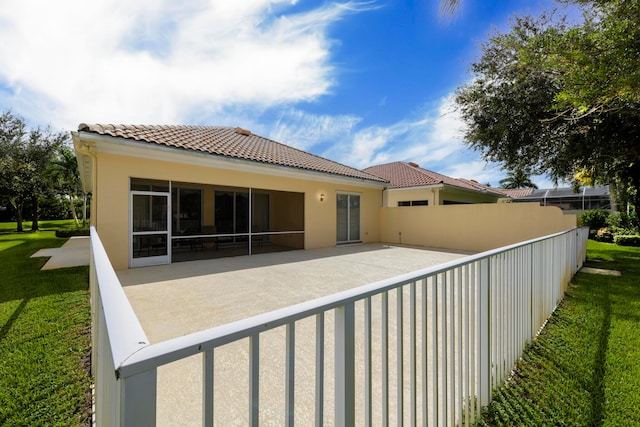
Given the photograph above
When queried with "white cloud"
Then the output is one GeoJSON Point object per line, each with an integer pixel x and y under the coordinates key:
{"type": "Point", "coordinates": [478, 170]}
{"type": "Point", "coordinates": [431, 138]}
{"type": "Point", "coordinates": [305, 131]}
{"type": "Point", "coordinates": [162, 62]}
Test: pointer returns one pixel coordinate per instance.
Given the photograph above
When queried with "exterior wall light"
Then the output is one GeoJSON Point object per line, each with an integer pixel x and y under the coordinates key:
{"type": "Point", "coordinates": [322, 197]}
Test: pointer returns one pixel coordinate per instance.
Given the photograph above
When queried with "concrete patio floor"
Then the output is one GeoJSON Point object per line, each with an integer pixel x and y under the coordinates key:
{"type": "Point", "coordinates": [182, 298]}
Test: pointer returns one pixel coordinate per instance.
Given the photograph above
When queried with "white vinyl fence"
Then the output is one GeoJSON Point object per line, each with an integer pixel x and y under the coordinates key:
{"type": "Point", "coordinates": [425, 348]}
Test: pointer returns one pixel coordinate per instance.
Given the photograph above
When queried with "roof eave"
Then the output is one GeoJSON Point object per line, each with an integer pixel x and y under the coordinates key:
{"type": "Point", "coordinates": [84, 155]}
{"type": "Point", "coordinates": [418, 187]}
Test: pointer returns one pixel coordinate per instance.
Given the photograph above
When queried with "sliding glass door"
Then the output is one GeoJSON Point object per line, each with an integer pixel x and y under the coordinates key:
{"type": "Point", "coordinates": [348, 218]}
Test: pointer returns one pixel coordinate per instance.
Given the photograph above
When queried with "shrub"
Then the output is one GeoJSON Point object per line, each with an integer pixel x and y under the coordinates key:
{"type": "Point", "coordinates": [623, 223]}
{"type": "Point", "coordinates": [65, 233]}
{"type": "Point", "coordinates": [604, 234]}
{"type": "Point", "coordinates": [595, 219]}
{"type": "Point", "coordinates": [627, 240]}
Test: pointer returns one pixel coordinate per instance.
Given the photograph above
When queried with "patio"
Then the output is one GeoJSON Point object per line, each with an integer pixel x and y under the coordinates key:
{"type": "Point", "coordinates": [182, 298]}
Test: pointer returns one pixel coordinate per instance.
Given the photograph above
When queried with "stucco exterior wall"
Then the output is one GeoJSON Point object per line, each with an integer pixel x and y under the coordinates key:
{"type": "Point", "coordinates": [111, 193]}
{"type": "Point", "coordinates": [476, 227]}
{"type": "Point", "coordinates": [394, 196]}
{"type": "Point", "coordinates": [436, 196]}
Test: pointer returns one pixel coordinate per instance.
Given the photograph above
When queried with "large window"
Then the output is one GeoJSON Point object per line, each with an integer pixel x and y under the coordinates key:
{"type": "Point", "coordinates": [186, 206]}
{"type": "Point", "coordinates": [232, 211]}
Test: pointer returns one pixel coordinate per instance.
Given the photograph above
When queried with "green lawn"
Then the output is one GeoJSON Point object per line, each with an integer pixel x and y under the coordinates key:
{"type": "Point", "coordinates": [44, 335]}
{"type": "Point", "coordinates": [584, 368]}
{"type": "Point", "coordinates": [9, 227]}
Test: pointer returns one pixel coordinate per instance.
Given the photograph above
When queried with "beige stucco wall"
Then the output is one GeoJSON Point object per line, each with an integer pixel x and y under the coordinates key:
{"type": "Point", "coordinates": [436, 196]}
{"type": "Point", "coordinates": [392, 197]}
{"type": "Point", "coordinates": [111, 195]}
{"type": "Point", "coordinates": [476, 227]}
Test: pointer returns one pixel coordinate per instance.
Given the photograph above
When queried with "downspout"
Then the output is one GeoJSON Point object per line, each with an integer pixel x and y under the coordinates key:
{"type": "Point", "coordinates": [88, 149]}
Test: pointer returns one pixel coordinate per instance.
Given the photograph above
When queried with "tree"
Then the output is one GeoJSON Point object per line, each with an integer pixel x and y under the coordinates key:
{"type": "Point", "coordinates": [24, 157]}
{"type": "Point", "coordinates": [540, 102]}
{"type": "Point", "coordinates": [517, 179]}
{"type": "Point", "coordinates": [65, 178]}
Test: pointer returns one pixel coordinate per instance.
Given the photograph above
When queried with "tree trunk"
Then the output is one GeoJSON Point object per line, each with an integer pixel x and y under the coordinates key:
{"type": "Point", "coordinates": [34, 207]}
{"type": "Point", "coordinates": [613, 194]}
{"type": "Point", "coordinates": [18, 207]}
{"type": "Point", "coordinates": [73, 211]}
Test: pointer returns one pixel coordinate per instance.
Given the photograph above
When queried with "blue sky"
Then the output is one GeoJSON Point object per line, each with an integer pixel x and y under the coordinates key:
{"type": "Point", "coordinates": [361, 83]}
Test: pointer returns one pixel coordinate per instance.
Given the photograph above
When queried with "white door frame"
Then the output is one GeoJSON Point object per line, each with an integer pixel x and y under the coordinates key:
{"type": "Point", "coordinates": [149, 260]}
{"type": "Point", "coordinates": [349, 213]}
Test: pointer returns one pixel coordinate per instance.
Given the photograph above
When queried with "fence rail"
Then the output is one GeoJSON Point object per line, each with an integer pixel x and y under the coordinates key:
{"type": "Point", "coordinates": [424, 348]}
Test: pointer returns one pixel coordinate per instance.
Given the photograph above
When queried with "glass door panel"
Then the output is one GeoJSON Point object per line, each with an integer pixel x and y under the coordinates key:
{"type": "Point", "coordinates": [354, 218]}
{"type": "Point", "coordinates": [342, 233]}
{"type": "Point", "coordinates": [348, 218]}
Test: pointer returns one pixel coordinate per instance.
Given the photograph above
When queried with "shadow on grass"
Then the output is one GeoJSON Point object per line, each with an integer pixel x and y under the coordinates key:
{"type": "Point", "coordinates": [21, 276]}
{"type": "Point", "coordinates": [581, 368]}
{"type": "Point", "coordinates": [14, 316]}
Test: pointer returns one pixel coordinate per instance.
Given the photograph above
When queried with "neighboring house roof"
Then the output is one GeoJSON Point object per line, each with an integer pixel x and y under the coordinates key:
{"type": "Point", "coordinates": [516, 193]}
{"type": "Point", "coordinates": [567, 192]}
{"type": "Point", "coordinates": [406, 175]}
{"type": "Point", "coordinates": [229, 142]}
{"type": "Point", "coordinates": [481, 187]}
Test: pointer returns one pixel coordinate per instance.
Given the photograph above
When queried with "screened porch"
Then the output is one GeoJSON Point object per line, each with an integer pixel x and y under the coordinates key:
{"type": "Point", "coordinates": [179, 221]}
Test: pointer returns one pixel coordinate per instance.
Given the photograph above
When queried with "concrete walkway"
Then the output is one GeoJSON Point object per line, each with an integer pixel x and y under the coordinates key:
{"type": "Point", "coordinates": [182, 298]}
{"type": "Point", "coordinates": [74, 253]}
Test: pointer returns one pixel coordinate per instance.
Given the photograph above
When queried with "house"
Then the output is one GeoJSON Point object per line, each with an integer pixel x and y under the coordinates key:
{"type": "Point", "coordinates": [173, 193]}
{"type": "Point", "coordinates": [411, 185]}
{"type": "Point", "coordinates": [162, 194]}
{"type": "Point", "coordinates": [567, 199]}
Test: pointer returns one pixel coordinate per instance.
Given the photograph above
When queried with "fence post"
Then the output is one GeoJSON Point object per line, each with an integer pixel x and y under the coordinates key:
{"type": "Point", "coordinates": [138, 399]}
{"type": "Point", "coordinates": [345, 365]}
{"type": "Point", "coordinates": [485, 336]}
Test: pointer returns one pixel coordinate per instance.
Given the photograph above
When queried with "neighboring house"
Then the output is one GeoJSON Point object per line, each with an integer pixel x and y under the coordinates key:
{"type": "Point", "coordinates": [411, 185]}
{"type": "Point", "coordinates": [565, 198]}
{"type": "Point", "coordinates": [515, 193]}
{"type": "Point", "coordinates": [170, 193]}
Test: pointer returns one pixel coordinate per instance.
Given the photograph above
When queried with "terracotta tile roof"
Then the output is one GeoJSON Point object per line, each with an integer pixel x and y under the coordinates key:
{"type": "Point", "coordinates": [481, 187]}
{"type": "Point", "coordinates": [516, 193]}
{"type": "Point", "coordinates": [404, 175]}
{"type": "Point", "coordinates": [230, 142]}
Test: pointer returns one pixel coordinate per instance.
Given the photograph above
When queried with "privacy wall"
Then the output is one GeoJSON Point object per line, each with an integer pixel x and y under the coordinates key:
{"type": "Point", "coordinates": [477, 227]}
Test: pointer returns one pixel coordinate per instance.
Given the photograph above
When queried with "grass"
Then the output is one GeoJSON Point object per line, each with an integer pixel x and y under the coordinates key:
{"type": "Point", "coordinates": [45, 225]}
{"type": "Point", "coordinates": [584, 367]}
{"type": "Point", "coordinates": [44, 335]}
